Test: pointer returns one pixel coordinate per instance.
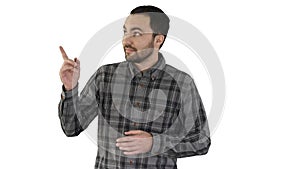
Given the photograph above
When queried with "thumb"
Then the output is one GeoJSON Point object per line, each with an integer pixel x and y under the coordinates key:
{"type": "Point", "coordinates": [133, 132]}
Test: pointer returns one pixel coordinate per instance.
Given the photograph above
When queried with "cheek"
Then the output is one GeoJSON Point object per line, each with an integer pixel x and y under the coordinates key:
{"type": "Point", "coordinates": [145, 44]}
{"type": "Point", "coordinates": [139, 43]}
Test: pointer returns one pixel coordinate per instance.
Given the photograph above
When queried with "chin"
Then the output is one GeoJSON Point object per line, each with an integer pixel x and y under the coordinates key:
{"type": "Point", "coordinates": [130, 57]}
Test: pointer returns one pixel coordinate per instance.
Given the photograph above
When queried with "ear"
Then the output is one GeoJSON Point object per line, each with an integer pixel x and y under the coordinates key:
{"type": "Point", "coordinates": [159, 39]}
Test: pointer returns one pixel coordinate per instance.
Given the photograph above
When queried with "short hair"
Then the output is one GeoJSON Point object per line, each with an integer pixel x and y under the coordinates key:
{"type": "Point", "coordinates": [159, 21]}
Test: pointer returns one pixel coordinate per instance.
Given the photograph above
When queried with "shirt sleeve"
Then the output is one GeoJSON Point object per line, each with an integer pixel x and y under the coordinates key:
{"type": "Point", "coordinates": [76, 112]}
{"type": "Point", "coordinates": [189, 135]}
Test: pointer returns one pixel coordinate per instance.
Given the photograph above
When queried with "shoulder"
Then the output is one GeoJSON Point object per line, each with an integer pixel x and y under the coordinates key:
{"type": "Point", "coordinates": [110, 68]}
{"type": "Point", "coordinates": [180, 76]}
{"type": "Point", "coordinates": [106, 70]}
{"type": "Point", "coordinates": [107, 67]}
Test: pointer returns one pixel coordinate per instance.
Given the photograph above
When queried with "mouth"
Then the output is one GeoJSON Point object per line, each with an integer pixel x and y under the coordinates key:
{"type": "Point", "coordinates": [129, 50]}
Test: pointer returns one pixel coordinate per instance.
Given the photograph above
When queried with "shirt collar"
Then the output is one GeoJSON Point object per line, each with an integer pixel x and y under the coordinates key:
{"type": "Point", "coordinates": [152, 72]}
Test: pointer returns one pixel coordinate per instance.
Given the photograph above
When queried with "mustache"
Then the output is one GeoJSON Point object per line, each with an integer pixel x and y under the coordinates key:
{"type": "Point", "coordinates": [130, 47]}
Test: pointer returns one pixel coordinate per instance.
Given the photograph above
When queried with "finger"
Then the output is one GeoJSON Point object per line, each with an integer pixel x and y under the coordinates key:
{"type": "Point", "coordinates": [124, 139]}
{"type": "Point", "coordinates": [126, 144]}
{"type": "Point", "coordinates": [133, 132]}
{"type": "Point", "coordinates": [63, 53]}
{"type": "Point", "coordinates": [67, 68]}
{"type": "Point", "coordinates": [70, 62]}
{"type": "Point", "coordinates": [76, 71]}
{"type": "Point", "coordinates": [77, 61]}
{"type": "Point", "coordinates": [129, 149]}
{"type": "Point", "coordinates": [132, 152]}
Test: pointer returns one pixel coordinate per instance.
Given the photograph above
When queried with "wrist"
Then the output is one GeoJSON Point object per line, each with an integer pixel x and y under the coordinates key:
{"type": "Point", "coordinates": [69, 88]}
{"type": "Point", "coordinates": [69, 93]}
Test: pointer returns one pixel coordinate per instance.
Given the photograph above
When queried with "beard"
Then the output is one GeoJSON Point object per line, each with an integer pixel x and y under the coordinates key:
{"type": "Point", "coordinates": [138, 56]}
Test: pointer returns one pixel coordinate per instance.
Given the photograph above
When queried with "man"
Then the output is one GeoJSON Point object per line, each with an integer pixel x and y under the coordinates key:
{"type": "Point", "coordinates": [149, 113]}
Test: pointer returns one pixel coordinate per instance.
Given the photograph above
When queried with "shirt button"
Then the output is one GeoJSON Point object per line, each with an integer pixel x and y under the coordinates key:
{"type": "Point", "coordinates": [137, 104]}
{"type": "Point", "coordinates": [130, 162]}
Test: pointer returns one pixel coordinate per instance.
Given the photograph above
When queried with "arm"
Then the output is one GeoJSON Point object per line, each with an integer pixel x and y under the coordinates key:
{"type": "Point", "coordinates": [66, 113]}
{"type": "Point", "coordinates": [189, 135]}
{"type": "Point", "coordinates": [76, 112]}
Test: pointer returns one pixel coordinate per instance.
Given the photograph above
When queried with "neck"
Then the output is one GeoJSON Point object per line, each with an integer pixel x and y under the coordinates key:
{"type": "Point", "coordinates": [148, 62]}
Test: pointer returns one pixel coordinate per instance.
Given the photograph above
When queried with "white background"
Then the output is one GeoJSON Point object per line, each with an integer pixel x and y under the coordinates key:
{"type": "Point", "coordinates": [257, 43]}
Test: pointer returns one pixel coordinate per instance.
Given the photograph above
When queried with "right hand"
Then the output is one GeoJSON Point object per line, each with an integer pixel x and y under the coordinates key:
{"type": "Point", "coordinates": [70, 71]}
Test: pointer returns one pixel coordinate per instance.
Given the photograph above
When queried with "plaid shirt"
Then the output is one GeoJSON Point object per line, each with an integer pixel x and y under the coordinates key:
{"type": "Point", "coordinates": [161, 100]}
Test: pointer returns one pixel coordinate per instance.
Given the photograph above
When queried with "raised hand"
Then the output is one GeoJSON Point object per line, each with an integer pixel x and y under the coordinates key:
{"type": "Point", "coordinates": [70, 71]}
{"type": "Point", "coordinates": [135, 142]}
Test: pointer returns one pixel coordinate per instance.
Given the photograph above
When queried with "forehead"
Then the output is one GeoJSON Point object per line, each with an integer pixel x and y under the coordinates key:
{"type": "Point", "coordinates": [138, 21]}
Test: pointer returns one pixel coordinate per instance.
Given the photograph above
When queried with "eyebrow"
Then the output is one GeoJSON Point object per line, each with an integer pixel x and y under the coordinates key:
{"type": "Point", "coordinates": [132, 29]}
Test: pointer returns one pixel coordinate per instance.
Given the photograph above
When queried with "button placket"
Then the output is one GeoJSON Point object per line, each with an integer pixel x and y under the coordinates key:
{"type": "Point", "coordinates": [153, 77]}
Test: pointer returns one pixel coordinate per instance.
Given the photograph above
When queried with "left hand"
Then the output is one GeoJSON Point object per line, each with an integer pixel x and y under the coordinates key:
{"type": "Point", "coordinates": [135, 142]}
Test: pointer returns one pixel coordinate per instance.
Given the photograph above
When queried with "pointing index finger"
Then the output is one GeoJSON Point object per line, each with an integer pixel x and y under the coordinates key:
{"type": "Point", "coordinates": [63, 53]}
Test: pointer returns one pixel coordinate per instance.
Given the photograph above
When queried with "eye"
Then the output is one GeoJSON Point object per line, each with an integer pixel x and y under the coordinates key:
{"type": "Point", "coordinates": [136, 34]}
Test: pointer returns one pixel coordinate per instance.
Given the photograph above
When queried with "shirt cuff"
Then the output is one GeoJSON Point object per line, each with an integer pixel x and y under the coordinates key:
{"type": "Point", "coordinates": [157, 144]}
{"type": "Point", "coordinates": [66, 94]}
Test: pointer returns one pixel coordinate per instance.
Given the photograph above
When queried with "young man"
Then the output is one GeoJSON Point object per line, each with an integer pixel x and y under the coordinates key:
{"type": "Point", "coordinates": [149, 113]}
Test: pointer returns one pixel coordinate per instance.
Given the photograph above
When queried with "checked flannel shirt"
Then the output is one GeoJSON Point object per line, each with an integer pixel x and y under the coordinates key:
{"type": "Point", "coordinates": [162, 100]}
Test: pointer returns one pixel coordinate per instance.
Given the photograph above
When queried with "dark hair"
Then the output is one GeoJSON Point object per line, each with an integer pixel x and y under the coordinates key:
{"type": "Point", "coordinates": [159, 21]}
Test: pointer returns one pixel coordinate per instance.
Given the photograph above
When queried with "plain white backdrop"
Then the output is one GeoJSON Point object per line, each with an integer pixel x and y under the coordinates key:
{"type": "Point", "coordinates": [257, 43]}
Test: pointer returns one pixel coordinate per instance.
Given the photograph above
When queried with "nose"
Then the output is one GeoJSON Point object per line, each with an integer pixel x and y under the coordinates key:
{"type": "Point", "coordinates": [127, 39]}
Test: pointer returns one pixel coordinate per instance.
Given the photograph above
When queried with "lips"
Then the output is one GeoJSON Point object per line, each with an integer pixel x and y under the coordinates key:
{"type": "Point", "coordinates": [129, 50]}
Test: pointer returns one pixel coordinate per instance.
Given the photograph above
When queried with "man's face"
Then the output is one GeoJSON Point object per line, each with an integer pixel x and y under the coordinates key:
{"type": "Point", "coordinates": [137, 41]}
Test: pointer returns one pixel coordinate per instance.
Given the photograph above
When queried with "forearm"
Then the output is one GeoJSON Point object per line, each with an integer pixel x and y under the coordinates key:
{"type": "Point", "coordinates": [189, 135]}
{"type": "Point", "coordinates": [191, 147]}
{"type": "Point", "coordinates": [67, 113]}
{"type": "Point", "coordinates": [180, 146]}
